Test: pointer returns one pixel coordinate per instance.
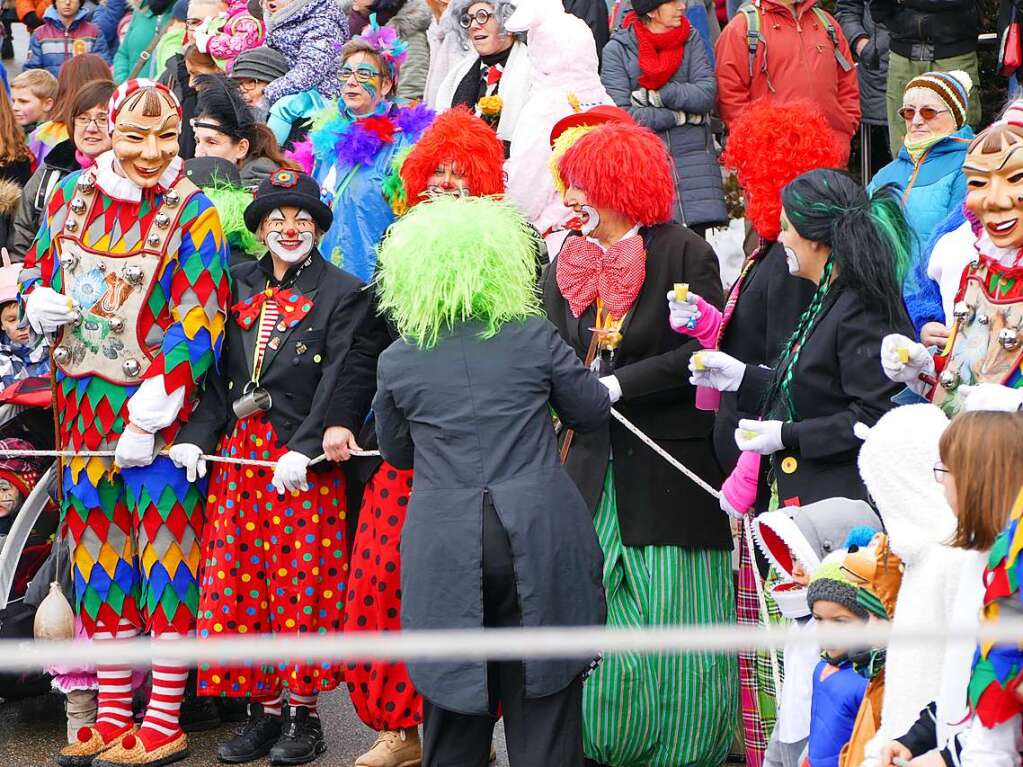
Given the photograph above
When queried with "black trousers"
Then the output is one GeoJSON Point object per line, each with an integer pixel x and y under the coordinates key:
{"type": "Point", "coordinates": [540, 732]}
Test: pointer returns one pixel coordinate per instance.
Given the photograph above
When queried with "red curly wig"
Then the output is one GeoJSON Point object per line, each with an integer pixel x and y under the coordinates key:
{"type": "Point", "coordinates": [768, 146]}
{"type": "Point", "coordinates": [456, 136]}
{"type": "Point", "coordinates": [625, 168]}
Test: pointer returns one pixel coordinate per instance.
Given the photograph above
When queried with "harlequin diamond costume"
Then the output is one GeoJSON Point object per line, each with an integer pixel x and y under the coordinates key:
{"type": "Point", "coordinates": [981, 369]}
{"type": "Point", "coordinates": [299, 354]}
{"type": "Point", "coordinates": [459, 155]}
{"type": "Point", "coordinates": [129, 273]}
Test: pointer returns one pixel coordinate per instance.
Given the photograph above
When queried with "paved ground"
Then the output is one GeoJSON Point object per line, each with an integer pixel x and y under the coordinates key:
{"type": "Point", "coordinates": [32, 731]}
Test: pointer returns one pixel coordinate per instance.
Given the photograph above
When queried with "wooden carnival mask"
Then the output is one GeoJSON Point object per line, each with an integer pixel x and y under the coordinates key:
{"type": "Point", "coordinates": [994, 178]}
{"type": "Point", "coordinates": [145, 135]}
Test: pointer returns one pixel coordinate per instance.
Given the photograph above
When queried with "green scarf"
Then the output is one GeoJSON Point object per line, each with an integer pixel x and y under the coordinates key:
{"type": "Point", "coordinates": [917, 148]}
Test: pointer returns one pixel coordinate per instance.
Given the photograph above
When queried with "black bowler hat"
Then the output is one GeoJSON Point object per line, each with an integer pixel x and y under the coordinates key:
{"type": "Point", "coordinates": [287, 187]}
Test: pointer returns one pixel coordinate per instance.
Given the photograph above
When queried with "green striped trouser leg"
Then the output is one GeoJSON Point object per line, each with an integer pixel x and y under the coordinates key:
{"type": "Point", "coordinates": [665, 710]}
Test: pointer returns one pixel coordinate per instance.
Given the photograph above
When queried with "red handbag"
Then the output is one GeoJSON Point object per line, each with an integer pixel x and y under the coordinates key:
{"type": "Point", "coordinates": [1010, 52]}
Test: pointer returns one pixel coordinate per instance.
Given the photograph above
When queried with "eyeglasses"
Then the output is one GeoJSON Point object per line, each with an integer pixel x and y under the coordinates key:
{"type": "Point", "coordinates": [83, 121]}
{"type": "Point", "coordinates": [481, 17]}
{"type": "Point", "coordinates": [939, 473]}
{"type": "Point", "coordinates": [248, 84]}
{"type": "Point", "coordinates": [193, 24]}
{"type": "Point", "coordinates": [926, 113]}
{"type": "Point", "coordinates": [363, 74]}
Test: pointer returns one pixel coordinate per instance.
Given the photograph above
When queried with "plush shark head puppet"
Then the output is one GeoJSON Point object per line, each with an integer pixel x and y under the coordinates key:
{"type": "Point", "coordinates": [806, 535]}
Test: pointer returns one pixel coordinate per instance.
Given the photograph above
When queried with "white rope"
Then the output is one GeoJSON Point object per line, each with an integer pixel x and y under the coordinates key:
{"type": "Point", "coordinates": [663, 453]}
{"type": "Point", "coordinates": [210, 458]}
{"type": "Point", "coordinates": [765, 615]}
{"type": "Point", "coordinates": [480, 644]}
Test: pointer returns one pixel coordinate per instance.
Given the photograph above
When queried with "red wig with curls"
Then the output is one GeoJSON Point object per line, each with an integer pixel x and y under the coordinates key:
{"type": "Point", "coordinates": [456, 136]}
{"type": "Point", "coordinates": [768, 146]}
{"type": "Point", "coordinates": [625, 168]}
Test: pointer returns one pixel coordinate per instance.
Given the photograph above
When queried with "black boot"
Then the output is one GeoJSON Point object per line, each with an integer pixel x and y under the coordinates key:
{"type": "Point", "coordinates": [301, 738]}
{"type": "Point", "coordinates": [254, 740]}
{"type": "Point", "coordinates": [232, 710]}
{"type": "Point", "coordinates": [198, 714]}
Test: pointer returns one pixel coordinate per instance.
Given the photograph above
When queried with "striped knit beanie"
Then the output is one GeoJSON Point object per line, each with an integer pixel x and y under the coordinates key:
{"type": "Point", "coordinates": [831, 584]}
{"type": "Point", "coordinates": [953, 88]}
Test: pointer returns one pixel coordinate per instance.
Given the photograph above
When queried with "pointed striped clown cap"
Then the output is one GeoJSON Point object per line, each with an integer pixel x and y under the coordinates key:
{"type": "Point", "coordinates": [129, 88]}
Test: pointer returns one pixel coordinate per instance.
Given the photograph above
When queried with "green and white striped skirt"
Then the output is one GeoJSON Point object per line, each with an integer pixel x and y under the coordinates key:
{"type": "Point", "coordinates": [661, 710]}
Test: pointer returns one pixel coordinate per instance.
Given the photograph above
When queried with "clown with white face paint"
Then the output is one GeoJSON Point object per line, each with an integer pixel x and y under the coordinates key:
{"type": "Point", "coordinates": [129, 275]}
{"type": "Point", "coordinates": [300, 357]}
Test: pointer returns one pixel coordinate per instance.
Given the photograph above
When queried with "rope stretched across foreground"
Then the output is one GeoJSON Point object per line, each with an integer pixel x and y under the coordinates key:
{"type": "Point", "coordinates": [479, 644]}
{"type": "Point", "coordinates": [210, 458]}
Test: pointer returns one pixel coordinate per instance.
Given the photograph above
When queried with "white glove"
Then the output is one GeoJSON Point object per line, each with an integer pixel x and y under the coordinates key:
{"type": "Point", "coordinates": [763, 437]}
{"type": "Point", "coordinates": [683, 314]}
{"type": "Point", "coordinates": [918, 361]}
{"type": "Point", "coordinates": [614, 389]}
{"type": "Point", "coordinates": [720, 371]}
{"type": "Point", "coordinates": [290, 473]}
{"type": "Point", "coordinates": [989, 396]}
{"type": "Point", "coordinates": [728, 508]}
{"type": "Point", "coordinates": [639, 97]}
{"type": "Point", "coordinates": [134, 449]}
{"type": "Point", "coordinates": [47, 310]}
{"type": "Point", "coordinates": [189, 457]}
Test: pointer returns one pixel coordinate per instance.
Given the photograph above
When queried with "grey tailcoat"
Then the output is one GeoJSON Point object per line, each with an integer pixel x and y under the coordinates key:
{"type": "Point", "coordinates": [472, 415]}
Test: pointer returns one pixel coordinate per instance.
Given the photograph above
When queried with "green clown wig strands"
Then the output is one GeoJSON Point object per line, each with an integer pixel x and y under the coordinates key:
{"type": "Point", "coordinates": [451, 260]}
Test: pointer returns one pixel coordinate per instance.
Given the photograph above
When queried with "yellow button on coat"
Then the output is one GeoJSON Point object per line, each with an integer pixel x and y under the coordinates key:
{"type": "Point", "coordinates": [789, 465]}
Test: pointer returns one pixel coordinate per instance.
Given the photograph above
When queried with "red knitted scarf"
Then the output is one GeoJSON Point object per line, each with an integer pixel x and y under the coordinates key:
{"type": "Point", "coordinates": [660, 54]}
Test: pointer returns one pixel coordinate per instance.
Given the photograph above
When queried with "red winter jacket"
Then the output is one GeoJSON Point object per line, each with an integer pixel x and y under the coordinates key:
{"type": "Point", "coordinates": [801, 64]}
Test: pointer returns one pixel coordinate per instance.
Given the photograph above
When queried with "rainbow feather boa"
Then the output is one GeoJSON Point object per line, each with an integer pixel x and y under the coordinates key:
{"type": "Point", "coordinates": [336, 137]}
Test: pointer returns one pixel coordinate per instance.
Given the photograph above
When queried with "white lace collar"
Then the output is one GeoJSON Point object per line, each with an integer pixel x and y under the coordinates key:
{"type": "Point", "coordinates": [124, 189]}
{"type": "Point", "coordinates": [1007, 257]}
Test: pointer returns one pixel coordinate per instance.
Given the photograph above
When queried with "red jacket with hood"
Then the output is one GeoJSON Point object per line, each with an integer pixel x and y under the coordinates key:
{"type": "Point", "coordinates": [800, 64]}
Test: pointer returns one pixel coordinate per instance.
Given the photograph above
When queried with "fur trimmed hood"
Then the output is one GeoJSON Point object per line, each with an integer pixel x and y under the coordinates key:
{"type": "Point", "coordinates": [10, 197]}
{"type": "Point", "coordinates": [896, 463]}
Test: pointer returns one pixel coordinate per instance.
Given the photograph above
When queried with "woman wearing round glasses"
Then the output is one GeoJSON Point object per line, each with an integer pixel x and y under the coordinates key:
{"type": "Point", "coordinates": [928, 170]}
{"type": "Point", "coordinates": [354, 143]}
{"type": "Point", "coordinates": [493, 83]}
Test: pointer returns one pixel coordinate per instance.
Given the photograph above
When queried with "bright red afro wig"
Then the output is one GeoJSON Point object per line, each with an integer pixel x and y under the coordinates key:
{"type": "Point", "coordinates": [625, 168]}
{"type": "Point", "coordinates": [768, 146]}
{"type": "Point", "coordinates": [456, 136]}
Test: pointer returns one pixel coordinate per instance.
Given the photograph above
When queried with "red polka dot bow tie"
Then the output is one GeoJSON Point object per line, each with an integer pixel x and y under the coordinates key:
{"type": "Point", "coordinates": [293, 307]}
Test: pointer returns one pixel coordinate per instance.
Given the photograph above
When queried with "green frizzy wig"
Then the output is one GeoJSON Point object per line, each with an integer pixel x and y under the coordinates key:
{"type": "Point", "coordinates": [230, 202]}
{"type": "Point", "coordinates": [456, 259]}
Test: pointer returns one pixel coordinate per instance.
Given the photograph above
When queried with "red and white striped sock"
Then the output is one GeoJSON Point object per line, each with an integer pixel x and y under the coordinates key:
{"type": "Point", "coordinates": [161, 723]}
{"type": "Point", "coordinates": [271, 706]}
{"type": "Point", "coordinates": [113, 714]}
{"type": "Point", "coordinates": [306, 701]}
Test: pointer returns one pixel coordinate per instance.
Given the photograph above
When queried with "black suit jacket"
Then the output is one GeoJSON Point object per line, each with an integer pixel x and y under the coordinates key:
{"type": "Point", "coordinates": [838, 381]}
{"type": "Point", "coordinates": [769, 305]}
{"type": "Point", "coordinates": [656, 504]}
{"type": "Point", "coordinates": [321, 373]}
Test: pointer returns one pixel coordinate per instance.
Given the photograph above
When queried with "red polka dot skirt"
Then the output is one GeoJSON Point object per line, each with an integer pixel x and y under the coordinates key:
{"type": "Point", "coordinates": [382, 693]}
{"type": "Point", "coordinates": [271, 565]}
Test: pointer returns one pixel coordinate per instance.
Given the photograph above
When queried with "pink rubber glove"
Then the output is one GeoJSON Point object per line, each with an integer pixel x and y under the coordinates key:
{"type": "Point", "coordinates": [694, 317]}
{"type": "Point", "coordinates": [739, 491]}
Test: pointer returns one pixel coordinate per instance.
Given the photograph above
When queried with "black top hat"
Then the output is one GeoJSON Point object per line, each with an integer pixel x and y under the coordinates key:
{"type": "Point", "coordinates": [286, 187]}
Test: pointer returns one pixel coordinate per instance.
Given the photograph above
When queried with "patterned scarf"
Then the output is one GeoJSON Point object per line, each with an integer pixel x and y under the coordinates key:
{"type": "Point", "coordinates": [586, 272]}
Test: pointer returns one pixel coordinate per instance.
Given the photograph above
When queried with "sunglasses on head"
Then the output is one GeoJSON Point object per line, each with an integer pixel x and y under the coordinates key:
{"type": "Point", "coordinates": [481, 17]}
{"type": "Point", "coordinates": [926, 113]}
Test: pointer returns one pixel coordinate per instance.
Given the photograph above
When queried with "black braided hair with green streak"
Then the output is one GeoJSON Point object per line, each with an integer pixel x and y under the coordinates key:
{"type": "Point", "coordinates": [870, 255]}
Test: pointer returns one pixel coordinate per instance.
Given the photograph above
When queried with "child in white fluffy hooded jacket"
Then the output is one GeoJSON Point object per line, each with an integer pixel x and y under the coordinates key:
{"type": "Point", "coordinates": [897, 463]}
{"type": "Point", "coordinates": [563, 60]}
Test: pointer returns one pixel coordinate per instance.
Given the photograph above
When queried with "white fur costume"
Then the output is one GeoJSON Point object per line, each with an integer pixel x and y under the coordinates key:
{"type": "Point", "coordinates": [564, 65]}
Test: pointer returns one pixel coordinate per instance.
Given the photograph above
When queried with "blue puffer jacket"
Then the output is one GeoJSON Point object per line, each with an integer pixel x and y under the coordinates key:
{"type": "Point", "coordinates": [931, 189]}
{"type": "Point", "coordinates": [692, 90]}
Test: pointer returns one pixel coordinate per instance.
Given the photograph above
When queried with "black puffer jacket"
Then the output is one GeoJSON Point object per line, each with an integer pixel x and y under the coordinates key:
{"type": "Point", "coordinates": [926, 30]}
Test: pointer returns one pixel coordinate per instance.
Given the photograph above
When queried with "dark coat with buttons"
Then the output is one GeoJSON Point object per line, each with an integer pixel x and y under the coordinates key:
{"type": "Point", "coordinates": [315, 372]}
{"type": "Point", "coordinates": [472, 416]}
{"type": "Point", "coordinates": [657, 505]}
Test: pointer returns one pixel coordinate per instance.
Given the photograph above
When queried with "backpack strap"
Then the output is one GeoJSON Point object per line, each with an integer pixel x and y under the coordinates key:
{"type": "Point", "coordinates": [829, 27]}
{"type": "Point", "coordinates": [754, 38]}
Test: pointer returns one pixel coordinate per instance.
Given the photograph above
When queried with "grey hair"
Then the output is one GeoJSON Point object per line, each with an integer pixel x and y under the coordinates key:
{"type": "Point", "coordinates": [503, 9]}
